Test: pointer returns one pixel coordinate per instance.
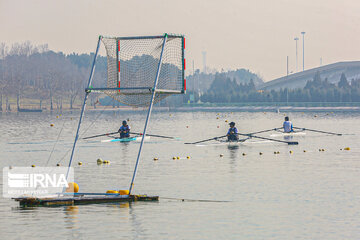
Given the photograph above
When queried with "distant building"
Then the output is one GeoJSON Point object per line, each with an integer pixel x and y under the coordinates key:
{"type": "Point", "coordinates": [332, 72]}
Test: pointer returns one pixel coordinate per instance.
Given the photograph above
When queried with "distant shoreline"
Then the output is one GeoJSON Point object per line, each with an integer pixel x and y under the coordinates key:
{"type": "Point", "coordinates": [208, 109]}
{"type": "Point", "coordinates": [270, 109]}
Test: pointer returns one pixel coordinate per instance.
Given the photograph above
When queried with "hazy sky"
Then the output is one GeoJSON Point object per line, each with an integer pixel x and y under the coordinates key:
{"type": "Point", "coordinates": [254, 34]}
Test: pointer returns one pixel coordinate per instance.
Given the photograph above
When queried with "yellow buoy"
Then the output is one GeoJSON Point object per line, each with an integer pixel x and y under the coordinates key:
{"type": "Point", "coordinates": [277, 152]}
{"type": "Point", "coordinates": [347, 148]}
{"type": "Point", "coordinates": [226, 121]}
{"type": "Point", "coordinates": [188, 157]}
{"type": "Point", "coordinates": [57, 116]}
{"type": "Point", "coordinates": [323, 150]}
{"type": "Point", "coordinates": [32, 165]}
{"type": "Point", "coordinates": [51, 125]}
{"type": "Point", "coordinates": [79, 163]}
{"type": "Point", "coordinates": [304, 150]}
{"type": "Point", "coordinates": [178, 157]}
{"type": "Point", "coordinates": [274, 152]}
{"type": "Point", "coordinates": [155, 159]}
{"type": "Point", "coordinates": [221, 155]}
{"type": "Point", "coordinates": [124, 192]}
{"type": "Point", "coordinates": [217, 118]}
{"type": "Point", "coordinates": [99, 161]}
{"type": "Point", "coordinates": [260, 153]}
{"type": "Point", "coordinates": [106, 161]}
{"type": "Point", "coordinates": [58, 164]}
{"type": "Point", "coordinates": [73, 187]}
{"type": "Point", "coordinates": [112, 191]}
{"type": "Point", "coordinates": [244, 154]}
{"type": "Point", "coordinates": [291, 152]}
{"type": "Point", "coordinates": [174, 158]}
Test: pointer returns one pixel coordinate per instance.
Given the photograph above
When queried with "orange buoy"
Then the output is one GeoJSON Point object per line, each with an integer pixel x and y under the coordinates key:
{"type": "Point", "coordinates": [72, 187]}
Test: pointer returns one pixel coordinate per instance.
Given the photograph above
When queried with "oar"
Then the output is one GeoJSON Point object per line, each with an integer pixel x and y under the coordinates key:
{"type": "Point", "coordinates": [206, 140]}
{"type": "Point", "coordinates": [312, 130]}
{"type": "Point", "coordinates": [271, 139]}
{"type": "Point", "coordinates": [273, 129]}
{"type": "Point", "coordinates": [152, 135]}
{"type": "Point", "coordinates": [100, 135]}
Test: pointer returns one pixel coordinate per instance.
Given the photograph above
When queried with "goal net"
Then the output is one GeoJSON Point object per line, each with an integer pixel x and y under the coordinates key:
{"type": "Point", "coordinates": [133, 63]}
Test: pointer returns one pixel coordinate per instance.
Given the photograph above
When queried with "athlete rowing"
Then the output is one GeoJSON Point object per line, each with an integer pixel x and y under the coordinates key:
{"type": "Point", "coordinates": [232, 134]}
{"type": "Point", "coordinates": [124, 130]}
{"type": "Point", "coordinates": [287, 125]}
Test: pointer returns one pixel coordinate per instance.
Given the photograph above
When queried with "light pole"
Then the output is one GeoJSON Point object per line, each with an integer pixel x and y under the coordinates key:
{"type": "Point", "coordinates": [303, 34]}
{"type": "Point", "coordinates": [287, 65]}
{"type": "Point", "coordinates": [296, 39]}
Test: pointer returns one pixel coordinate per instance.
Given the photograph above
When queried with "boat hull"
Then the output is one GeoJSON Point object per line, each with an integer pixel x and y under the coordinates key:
{"type": "Point", "coordinates": [282, 134]}
{"type": "Point", "coordinates": [131, 139]}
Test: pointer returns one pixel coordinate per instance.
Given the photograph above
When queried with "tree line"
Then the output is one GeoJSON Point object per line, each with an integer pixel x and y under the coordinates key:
{"type": "Point", "coordinates": [225, 90]}
{"type": "Point", "coordinates": [34, 72]}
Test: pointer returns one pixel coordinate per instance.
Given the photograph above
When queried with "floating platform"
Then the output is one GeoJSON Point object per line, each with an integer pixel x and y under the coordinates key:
{"type": "Point", "coordinates": [80, 199]}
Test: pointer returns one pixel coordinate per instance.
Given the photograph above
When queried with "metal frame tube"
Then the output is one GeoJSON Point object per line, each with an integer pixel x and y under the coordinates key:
{"type": "Point", "coordinates": [148, 114]}
{"type": "Point", "coordinates": [83, 106]}
{"type": "Point", "coordinates": [121, 88]}
{"type": "Point", "coordinates": [146, 37]}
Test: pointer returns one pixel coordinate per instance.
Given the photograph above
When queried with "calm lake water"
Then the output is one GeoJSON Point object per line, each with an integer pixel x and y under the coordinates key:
{"type": "Point", "coordinates": [303, 195]}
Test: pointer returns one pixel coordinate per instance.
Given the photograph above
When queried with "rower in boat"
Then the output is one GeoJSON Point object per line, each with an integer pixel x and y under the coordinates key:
{"type": "Point", "coordinates": [232, 134]}
{"type": "Point", "coordinates": [287, 125]}
{"type": "Point", "coordinates": [124, 130]}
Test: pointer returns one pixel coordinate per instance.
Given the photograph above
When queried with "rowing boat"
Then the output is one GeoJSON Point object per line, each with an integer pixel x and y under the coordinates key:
{"type": "Point", "coordinates": [232, 143]}
{"type": "Point", "coordinates": [130, 139]}
{"type": "Point", "coordinates": [283, 134]}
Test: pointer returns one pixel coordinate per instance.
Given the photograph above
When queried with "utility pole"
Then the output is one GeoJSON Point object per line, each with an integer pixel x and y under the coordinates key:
{"type": "Point", "coordinates": [193, 76]}
{"type": "Point", "coordinates": [296, 49]}
{"type": "Point", "coordinates": [287, 65]}
{"type": "Point", "coordinates": [303, 34]}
